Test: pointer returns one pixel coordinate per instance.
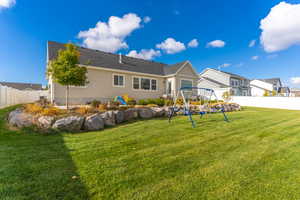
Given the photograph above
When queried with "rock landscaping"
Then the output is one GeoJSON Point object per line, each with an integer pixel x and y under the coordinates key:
{"type": "Point", "coordinates": [75, 122]}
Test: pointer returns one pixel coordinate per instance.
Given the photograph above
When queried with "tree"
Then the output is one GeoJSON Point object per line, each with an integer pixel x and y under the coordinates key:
{"type": "Point", "coordinates": [66, 71]}
{"type": "Point", "coordinates": [226, 96]}
{"type": "Point", "coordinates": [266, 93]}
{"type": "Point", "coordinates": [274, 93]}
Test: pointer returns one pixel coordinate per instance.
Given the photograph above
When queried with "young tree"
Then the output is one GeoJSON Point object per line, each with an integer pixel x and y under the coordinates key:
{"type": "Point", "coordinates": [66, 71]}
{"type": "Point", "coordinates": [226, 96]}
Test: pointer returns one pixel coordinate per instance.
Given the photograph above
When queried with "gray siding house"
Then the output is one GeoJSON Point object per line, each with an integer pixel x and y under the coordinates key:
{"type": "Point", "coordinates": [222, 81]}
{"type": "Point", "coordinates": [110, 75]}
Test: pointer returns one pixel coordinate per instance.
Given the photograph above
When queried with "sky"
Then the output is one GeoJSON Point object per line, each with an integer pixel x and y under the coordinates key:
{"type": "Point", "coordinates": [255, 39]}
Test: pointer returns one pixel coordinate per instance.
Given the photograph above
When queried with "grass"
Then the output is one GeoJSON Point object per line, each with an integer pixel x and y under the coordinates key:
{"type": "Point", "coordinates": [255, 156]}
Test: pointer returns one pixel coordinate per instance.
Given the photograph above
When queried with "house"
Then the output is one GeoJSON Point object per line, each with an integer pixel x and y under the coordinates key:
{"type": "Point", "coordinates": [22, 86]}
{"type": "Point", "coordinates": [222, 81]}
{"type": "Point", "coordinates": [276, 82]}
{"type": "Point", "coordinates": [271, 87]}
{"type": "Point", "coordinates": [295, 92]}
{"type": "Point", "coordinates": [261, 88]}
{"type": "Point", "coordinates": [110, 75]}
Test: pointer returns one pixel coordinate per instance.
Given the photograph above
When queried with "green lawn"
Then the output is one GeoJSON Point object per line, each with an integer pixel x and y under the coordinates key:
{"type": "Point", "coordinates": [255, 156]}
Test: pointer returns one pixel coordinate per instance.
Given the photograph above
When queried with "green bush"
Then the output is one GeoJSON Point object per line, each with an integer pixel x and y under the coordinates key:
{"type": "Point", "coordinates": [95, 103]}
{"type": "Point", "coordinates": [157, 101]}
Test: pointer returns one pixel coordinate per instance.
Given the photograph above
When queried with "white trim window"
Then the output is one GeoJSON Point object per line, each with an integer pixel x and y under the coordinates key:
{"type": "Point", "coordinates": [186, 83]}
{"type": "Point", "coordinates": [143, 83]}
{"type": "Point", "coordinates": [118, 80]}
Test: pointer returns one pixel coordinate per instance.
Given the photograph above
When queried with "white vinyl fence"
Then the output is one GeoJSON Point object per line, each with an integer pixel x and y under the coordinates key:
{"type": "Point", "coordinates": [290, 103]}
{"type": "Point", "coordinates": [10, 96]}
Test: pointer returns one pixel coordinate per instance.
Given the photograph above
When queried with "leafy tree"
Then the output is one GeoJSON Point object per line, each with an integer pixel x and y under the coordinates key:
{"type": "Point", "coordinates": [266, 93]}
{"type": "Point", "coordinates": [274, 93]}
{"type": "Point", "coordinates": [66, 71]}
{"type": "Point", "coordinates": [226, 96]}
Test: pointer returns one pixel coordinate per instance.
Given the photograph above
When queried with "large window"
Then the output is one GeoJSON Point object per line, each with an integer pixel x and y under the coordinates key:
{"type": "Point", "coordinates": [118, 80]}
{"type": "Point", "coordinates": [186, 83]}
{"type": "Point", "coordinates": [144, 84]}
{"type": "Point", "coordinates": [136, 83]}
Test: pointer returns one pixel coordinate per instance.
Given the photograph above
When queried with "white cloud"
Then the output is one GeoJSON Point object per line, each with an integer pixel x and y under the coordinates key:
{"type": "Point", "coordinates": [226, 65]}
{"type": "Point", "coordinates": [110, 36]}
{"type": "Point", "coordinates": [7, 3]}
{"type": "Point", "coordinates": [147, 19]}
{"type": "Point", "coordinates": [281, 28]}
{"type": "Point", "coordinates": [295, 80]}
{"type": "Point", "coordinates": [252, 43]}
{"type": "Point", "coordinates": [146, 54]}
{"type": "Point", "coordinates": [193, 43]}
{"type": "Point", "coordinates": [171, 46]}
{"type": "Point", "coordinates": [216, 44]}
{"type": "Point", "coordinates": [254, 57]}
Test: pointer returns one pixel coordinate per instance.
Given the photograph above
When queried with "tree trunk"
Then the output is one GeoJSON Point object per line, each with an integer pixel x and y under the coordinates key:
{"type": "Point", "coordinates": [67, 97]}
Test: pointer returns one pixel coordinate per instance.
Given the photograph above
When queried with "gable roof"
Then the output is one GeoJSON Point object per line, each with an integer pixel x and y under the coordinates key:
{"type": "Point", "coordinates": [23, 86]}
{"type": "Point", "coordinates": [102, 59]}
{"type": "Point", "coordinates": [227, 73]}
{"type": "Point", "coordinates": [273, 81]}
{"type": "Point", "coordinates": [216, 82]}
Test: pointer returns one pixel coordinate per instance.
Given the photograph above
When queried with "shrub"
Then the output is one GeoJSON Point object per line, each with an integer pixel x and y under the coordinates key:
{"type": "Point", "coordinates": [168, 102]}
{"type": "Point", "coordinates": [33, 108]}
{"type": "Point", "coordinates": [152, 105]}
{"type": "Point", "coordinates": [195, 103]}
{"type": "Point", "coordinates": [131, 101]}
{"type": "Point", "coordinates": [52, 111]}
{"type": "Point", "coordinates": [95, 103]}
{"type": "Point", "coordinates": [142, 102]}
{"type": "Point", "coordinates": [102, 107]}
{"type": "Point", "coordinates": [226, 96]}
{"type": "Point", "coordinates": [84, 110]}
{"type": "Point", "coordinates": [266, 93]}
{"type": "Point", "coordinates": [179, 101]}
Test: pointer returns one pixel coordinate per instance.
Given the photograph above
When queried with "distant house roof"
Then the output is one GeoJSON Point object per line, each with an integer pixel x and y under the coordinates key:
{"type": "Point", "coordinates": [228, 73]}
{"type": "Point", "coordinates": [102, 59]}
{"type": "Point", "coordinates": [23, 86]}
{"type": "Point", "coordinates": [214, 81]}
{"type": "Point", "coordinates": [273, 81]}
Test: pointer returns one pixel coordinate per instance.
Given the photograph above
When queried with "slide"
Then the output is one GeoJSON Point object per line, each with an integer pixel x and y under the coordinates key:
{"type": "Point", "coordinates": [120, 100]}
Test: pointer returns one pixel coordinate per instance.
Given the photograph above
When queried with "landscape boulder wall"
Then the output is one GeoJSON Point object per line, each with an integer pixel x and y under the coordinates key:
{"type": "Point", "coordinates": [145, 113]}
{"type": "Point", "coordinates": [45, 122]}
{"type": "Point", "coordinates": [131, 114]}
{"type": "Point", "coordinates": [119, 116]}
{"type": "Point", "coordinates": [94, 123]}
{"type": "Point", "coordinates": [20, 119]}
{"type": "Point", "coordinates": [70, 124]}
{"type": "Point", "coordinates": [159, 112]}
{"type": "Point", "coordinates": [109, 118]}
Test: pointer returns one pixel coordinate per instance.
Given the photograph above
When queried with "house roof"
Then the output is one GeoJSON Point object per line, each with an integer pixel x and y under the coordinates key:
{"type": "Point", "coordinates": [273, 81]}
{"type": "Point", "coordinates": [102, 59]}
{"type": "Point", "coordinates": [23, 86]}
{"type": "Point", "coordinates": [214, 81]}
{"type": "Point", "coordinates": [228, 73]}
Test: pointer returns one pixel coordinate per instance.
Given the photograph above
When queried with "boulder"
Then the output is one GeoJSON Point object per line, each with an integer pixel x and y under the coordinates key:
{"type": "Point", "coordinates": [130, 114]}
{"type": "Point", "coordinates": [71, 124]}
{"type": "Point", "coordinates": [119, 115]}
{"type": "Point", "coordinates": [109, 118]}
{"type": "Point", "coordinates": [145, 113]}
{"type": "Point", "coordinates": [45, 122]}
{"type": "Point", "coordinates": [94, 123]}
{"type": "Point", "coordinates": [158, 112]}
{"type": "Point", "coordinates": [20, 119]}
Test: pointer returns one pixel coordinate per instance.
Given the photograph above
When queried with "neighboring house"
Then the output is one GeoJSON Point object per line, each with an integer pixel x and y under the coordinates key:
{"type": "Point", "coordinates": [295, 92]}
{"type": "Point", "coordinates": [222, 82]}
{"type": "Point", "coordinates": [22, 86]}
{"type": "Point", "coordinates": [284, 91]}
{"type": "Point", "coordinates": [259, 88]}
{"type": "Point", "coordinates": [276, 82]}
{"type": "Point", "coordinates": [110, 75]}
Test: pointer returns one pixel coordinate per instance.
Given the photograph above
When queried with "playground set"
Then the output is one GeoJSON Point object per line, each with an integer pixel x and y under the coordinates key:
{"type": "Point", "coordinates": [189, 94]}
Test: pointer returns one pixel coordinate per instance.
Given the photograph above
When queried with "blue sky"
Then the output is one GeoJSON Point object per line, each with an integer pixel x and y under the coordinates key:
{"type": "Point", "coordinates": [27, 25]}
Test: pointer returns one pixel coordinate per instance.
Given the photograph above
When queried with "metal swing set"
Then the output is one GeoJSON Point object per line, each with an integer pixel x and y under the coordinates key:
{"type": "Point", "coordinates": [189, 94]}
